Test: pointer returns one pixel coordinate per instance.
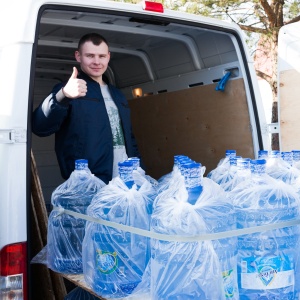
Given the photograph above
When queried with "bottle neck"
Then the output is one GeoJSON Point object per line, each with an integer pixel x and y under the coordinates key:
{"type": "Point", "coordinates": [193, 181]}
{"type": "Point", "coordinates": [287, 157]}
{"type": "Point", "coordinates": [135, 161]}
{"type": "Point", "coordinates": [296, 155]}
{"type": "Point", "coordinates": [258, 167]}
{"type": "Point", "coordinates": [125, 173]}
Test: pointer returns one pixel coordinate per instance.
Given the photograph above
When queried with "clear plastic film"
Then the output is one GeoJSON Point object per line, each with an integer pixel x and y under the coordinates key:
{"type": "Point", "coordinates": [195, 270]}
{"type": "Point", "coordinates": [114, 260]}
{"type": "Point", "coordinates": [280, 169]}
{"type": "Point", "coordinates": [169, 179]}
{"type": "Point", "coordinates": [65, 232]}
{"type": "Point", "coordinates": [80, 294]}
{"type": "Point", "coordinates": [241, 174]}
{"type": "Point", "coordinates": [222, 165]}
{"type": "Point", "coordinates": [268, 261]}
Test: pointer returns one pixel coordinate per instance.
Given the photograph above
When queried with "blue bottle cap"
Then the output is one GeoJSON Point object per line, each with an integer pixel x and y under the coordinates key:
{"type": "Point", "coordinates": [81, 164]}
{"type": "Point", "coordinates": [230, 153]}
{"type": "Point", "coordinates": [263, 153]}
{"type": "Point", "coordinates": [258, 166]}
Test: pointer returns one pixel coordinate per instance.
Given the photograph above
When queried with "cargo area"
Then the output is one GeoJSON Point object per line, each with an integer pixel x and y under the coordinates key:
{"type": "Point", "coordinates": [175, 65]}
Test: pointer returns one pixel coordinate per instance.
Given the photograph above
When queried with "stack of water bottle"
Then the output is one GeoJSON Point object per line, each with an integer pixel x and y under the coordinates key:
{"type": "Point", "coordinates": [115, 259]}
{"type": "Point", "coordinates": [171, 238]}
{"type": "Point", "coordinates": [189, 267]}
{"type": "Point", "coordinates": [268, 259]}
{"type": "Point", "coordinates": [66, 232]}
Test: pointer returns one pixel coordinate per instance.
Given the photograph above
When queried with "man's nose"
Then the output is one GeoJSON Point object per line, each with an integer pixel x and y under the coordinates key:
{"type": "Point", "coordinates": [96, 60]}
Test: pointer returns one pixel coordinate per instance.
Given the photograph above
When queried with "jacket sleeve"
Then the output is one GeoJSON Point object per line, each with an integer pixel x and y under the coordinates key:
{"type": "Point", "coordinates": [50, 114]}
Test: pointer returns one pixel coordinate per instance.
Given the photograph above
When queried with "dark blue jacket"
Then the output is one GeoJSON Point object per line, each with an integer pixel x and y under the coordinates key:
{"type": "Point", "coordinates": [82, 128]}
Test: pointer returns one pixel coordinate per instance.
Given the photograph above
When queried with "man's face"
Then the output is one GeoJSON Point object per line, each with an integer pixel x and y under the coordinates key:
{"type": "Point", "coordinates": [93, 59]}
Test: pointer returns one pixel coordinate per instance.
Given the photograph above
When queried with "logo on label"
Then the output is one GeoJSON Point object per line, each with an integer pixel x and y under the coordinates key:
{"type": "Point", "coordinates": [228, 282]}
{"type": "Point", "coordinates": [266, 274]}
{"type": "Point", "coordinates": [106, 262]}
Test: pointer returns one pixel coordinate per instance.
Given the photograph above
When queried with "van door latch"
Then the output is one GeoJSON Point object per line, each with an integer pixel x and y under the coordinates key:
{"type": "Point", "coordinates": [12, 136]}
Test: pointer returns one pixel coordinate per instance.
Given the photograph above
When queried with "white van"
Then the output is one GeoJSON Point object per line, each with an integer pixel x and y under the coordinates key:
{"type": "Point", "coordinates": [167, 63]}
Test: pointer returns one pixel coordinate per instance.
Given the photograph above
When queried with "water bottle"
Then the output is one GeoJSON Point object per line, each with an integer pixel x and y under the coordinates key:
{"type": "Point", "coordinates": [193, 270]}
{"type": "Point", "coordinates": [296, 158]}
{"type": "Point", "coordinates": [114, 260]}
{"type": "Point", "coordinates": [287, 156]}
{"type": "Point", "coordinates": [65, 232]}
{"type": "Point", "coordinates": [280, 166]}
{"type": "Point", "coordinates": [138, 170]}
{"type": "Point", "coordinates": [266, 260]}
{"type": "Point", "coordinates": [173, 177]}
{"type": "Point", "coordinates": [222, 166]}
{"type": "Point", "coordinates": [227, 175]}
{"type": "Point", "coordinates": [193, 180]}
{"type": "Point", "coordinates": [242, 173]}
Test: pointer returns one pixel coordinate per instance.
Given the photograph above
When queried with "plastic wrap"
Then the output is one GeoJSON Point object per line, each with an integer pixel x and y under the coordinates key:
{"type": "Point", "coordinates": [241, 174]}
{"type": "Point", "coordinates": [65, 232]}
{"type": "Point", "coordinates": [296, 159]}
{"type": "Point", "coordinates": [267, 261]}
{"type": "Point", "coordinates": [137, 168]}
{"type": "Point", "coordinates": [80, 294]}
{"type": "Point", "coordinates": [193, 270]}
{"type": "Point", "coordinates": [222, 168]}
{"type": "Point", "coordinates": [282, 170]}
{"type": "Point", "coordinates": [171, 178]}
{"type": "Point", "coordinates": [114, 260]}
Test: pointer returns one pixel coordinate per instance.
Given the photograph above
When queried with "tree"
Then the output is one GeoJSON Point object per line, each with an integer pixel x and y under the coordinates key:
{"type": "Point", "coordinates": [262, 18]}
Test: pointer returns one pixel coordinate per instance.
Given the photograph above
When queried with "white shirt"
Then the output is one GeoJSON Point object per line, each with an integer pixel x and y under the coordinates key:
{"type": "Point", "coordinates": [116, 128]}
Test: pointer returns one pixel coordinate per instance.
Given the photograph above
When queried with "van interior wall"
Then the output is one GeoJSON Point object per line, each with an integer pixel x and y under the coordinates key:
{"type": "Point", "coordinates": [198, 122]}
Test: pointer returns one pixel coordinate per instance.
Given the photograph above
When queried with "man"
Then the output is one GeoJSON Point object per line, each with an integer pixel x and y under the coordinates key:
{"type": "Point", "coordinates": [90, 117]}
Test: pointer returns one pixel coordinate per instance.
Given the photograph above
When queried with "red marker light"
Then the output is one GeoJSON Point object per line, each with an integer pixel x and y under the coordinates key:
{"type": "Point", "coordinates": [153, 6]}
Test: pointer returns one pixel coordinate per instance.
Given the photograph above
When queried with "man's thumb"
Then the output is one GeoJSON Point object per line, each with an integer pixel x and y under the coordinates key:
{"type": "Point", "coordinates": [75, 73]}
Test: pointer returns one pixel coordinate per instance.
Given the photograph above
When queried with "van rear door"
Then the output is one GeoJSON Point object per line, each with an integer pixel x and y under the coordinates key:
{"type": "Point", "coordinates": [289, 86]}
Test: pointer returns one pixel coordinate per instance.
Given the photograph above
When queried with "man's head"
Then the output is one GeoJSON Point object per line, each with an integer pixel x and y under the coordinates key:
{"type": "Point", "coordinates": [93, 55]}
{"type": "Point", "coordinates": [93, 37]}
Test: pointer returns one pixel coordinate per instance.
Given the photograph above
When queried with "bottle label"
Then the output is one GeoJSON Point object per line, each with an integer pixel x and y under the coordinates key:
{"type": "Point", "coordinates": [106, 262]}
{"type": "Point", "coordinates": [266, 272]}
{"type": "Point", "coordinates": [229, 284]}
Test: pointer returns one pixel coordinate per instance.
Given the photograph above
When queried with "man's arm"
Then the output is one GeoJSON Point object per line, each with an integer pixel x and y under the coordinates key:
{"type": "Point", "coordinates": [49, 115]}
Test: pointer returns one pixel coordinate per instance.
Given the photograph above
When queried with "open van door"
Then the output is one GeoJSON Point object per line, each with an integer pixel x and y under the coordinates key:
{"type": "Point", "coordinates": [289, 86]}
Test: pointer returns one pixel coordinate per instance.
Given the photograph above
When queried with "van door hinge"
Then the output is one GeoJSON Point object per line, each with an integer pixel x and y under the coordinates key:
{"type": "Point", "coordinates": [12, 136]}
{"type": "Point", "coordinates": [273, 128]}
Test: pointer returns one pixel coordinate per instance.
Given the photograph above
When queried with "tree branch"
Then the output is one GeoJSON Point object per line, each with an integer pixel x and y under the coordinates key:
{"type": "Point", "coordinates": [278, 10]}
{"type": "Point", "coordinates": [296, 19]}
{"type": "Point", "coordinates": [263, 75]}
{"type": "Point", "coordinates": [268, 10]}
{"type": "Point", "coordinates": [253, 29]}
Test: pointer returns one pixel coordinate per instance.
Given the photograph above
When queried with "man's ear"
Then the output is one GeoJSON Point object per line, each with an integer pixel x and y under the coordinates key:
{"type": "Point", "coordinates": [77, 56]}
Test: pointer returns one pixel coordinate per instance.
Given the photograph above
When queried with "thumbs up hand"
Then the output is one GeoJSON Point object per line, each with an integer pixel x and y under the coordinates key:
{"type": "Point", "coordinates": [75, 87]}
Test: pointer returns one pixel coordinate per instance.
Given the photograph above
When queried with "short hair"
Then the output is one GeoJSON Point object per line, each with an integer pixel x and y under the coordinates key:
{"type": "Point", "coordinates": [93, 37]}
